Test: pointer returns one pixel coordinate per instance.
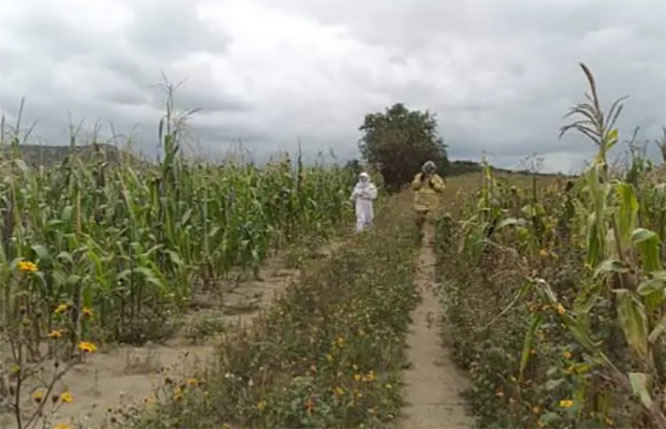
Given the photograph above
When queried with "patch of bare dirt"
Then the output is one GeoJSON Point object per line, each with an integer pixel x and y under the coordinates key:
{"type": "Point", "coordinates": [433, 384]}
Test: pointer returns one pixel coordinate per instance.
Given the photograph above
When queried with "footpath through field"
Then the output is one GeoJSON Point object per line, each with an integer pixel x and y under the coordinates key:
{"type": "Point", "coordinates": [433, 384]}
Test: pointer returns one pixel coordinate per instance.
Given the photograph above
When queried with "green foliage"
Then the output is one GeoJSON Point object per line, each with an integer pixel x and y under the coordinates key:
{"type": "Point", "coordinates": [134, 241]}
{"type": "Point", "coordinates": [328, 353]}
{"type": "Point", "coordinates": [113, 245]}
{"type": "Point", "coordinates": [399, 141]}
{"type": "Point", "coordinates": [575, 323]}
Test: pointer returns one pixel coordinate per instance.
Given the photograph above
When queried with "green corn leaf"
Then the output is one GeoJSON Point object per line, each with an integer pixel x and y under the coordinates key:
{"type": "Point", "coordinates": [213, 232]}
{"type": "Point", "coordinates": [633, 322]}
{"type": "Point", "coordinates": [610, 139]}
{"type": "Point", "coordinates": [73, 279]}
{"type": "Point", "coordinates": [186, 217]}
{"type": "Point", "coordinates": [43, 255]}
{"type": "Point", "coordinates": [537, 319]}
{"type": "Point", "coordinates": [610, 266]}
{"type": "Point", "coordinates": [66, 257]}
{"type": "Point", "coordinates": [640, 384]}
{"type": "Point", "coordinates": [658, 329]}
{"type": "Point", "coordinates": [650, 287]}
{"type": "Point", "coordinates": [647, 243]}
{"type": "Point", "coordinates": [149, 275]}
{"type": "Point", "coordinates": [595, 247]}
{"type": "Point", "coordinates": [175, 258]}
{"type": "Point", "coordinates": [577, 327]}
{"type": "Point", "coordinates": [581, 333]}
{"type": "Point", "coordinates": [509, 222]}
{"type": "Point", "coordinates": [628, 212]}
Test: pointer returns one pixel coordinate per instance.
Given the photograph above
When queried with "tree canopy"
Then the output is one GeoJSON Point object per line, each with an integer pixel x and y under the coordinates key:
{"type": "Point", "coordinates": [399, 141]}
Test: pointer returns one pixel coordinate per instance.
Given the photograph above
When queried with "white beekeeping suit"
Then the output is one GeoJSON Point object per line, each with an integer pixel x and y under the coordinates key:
{"type": "Point", "coordinates": [363, 195]}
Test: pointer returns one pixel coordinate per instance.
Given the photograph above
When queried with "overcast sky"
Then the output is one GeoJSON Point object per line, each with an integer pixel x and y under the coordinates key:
{"type": "Point", "coordinates": [499, 74]}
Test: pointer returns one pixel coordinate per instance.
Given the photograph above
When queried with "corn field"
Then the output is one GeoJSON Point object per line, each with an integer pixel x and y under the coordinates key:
{"type": "Point", "coordinates": [570, 332]}
{"type": "Point", "coordinates": [131, 242]}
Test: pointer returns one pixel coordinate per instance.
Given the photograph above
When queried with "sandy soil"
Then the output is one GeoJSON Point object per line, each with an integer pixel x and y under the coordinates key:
{"type": "Point", "coordinates": [433, 383]}
{"type": "Point", "coordinates": [120, 375]}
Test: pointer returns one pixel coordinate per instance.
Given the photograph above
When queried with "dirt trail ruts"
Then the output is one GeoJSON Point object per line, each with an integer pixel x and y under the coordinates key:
{"type": "Point", "coordinates": [433, 383]}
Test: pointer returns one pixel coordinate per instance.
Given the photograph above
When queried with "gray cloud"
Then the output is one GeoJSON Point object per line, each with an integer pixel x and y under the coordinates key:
{"type": "Point", "coordinates": [499, 75]}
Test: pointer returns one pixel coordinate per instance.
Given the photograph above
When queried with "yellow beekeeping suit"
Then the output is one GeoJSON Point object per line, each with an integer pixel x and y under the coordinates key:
{"type": "Point", "coordinates": [426, 190]}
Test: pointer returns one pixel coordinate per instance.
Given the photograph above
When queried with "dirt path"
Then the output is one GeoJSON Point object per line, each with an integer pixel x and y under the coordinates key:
{"type": "Point", "coordinates": [124, 374]}
{"type": "Point", "coordinates": [121, 375]}
{"type": "Point", "coordinates": [432, 383]}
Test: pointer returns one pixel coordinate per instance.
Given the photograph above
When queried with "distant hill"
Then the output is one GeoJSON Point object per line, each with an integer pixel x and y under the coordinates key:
{"type": "Point", "coordinates": [49, 156]}
{"type": "Point", "coordinates": [458, 168]}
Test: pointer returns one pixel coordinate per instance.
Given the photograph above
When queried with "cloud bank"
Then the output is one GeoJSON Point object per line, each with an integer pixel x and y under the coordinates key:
{"type": "Point", "coordinates": [498, 75]}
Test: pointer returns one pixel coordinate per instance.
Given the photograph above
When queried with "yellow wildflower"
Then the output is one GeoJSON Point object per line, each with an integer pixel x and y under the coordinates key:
{"type": "Point", "coordinates": [27, 267]}
{"type": "Point", "coordinates": [66, 397]}
{"type": "Point", "coordinates": [560, 309]}
{"type": "Point", "coordinates": [567, 354]}
{"type": "Point", "coordinates": [261, 405]}
{"type": "Point", "coordinates": [329, 357]}
{"type": "Point", "coordinates": [357, 377]}
{"type": "Point", "coordinates": [38, 395]}
{"type": "Point", "coordinates": [339, 391]}
{"type": "Point", "coordinates": [87, 312]}
{"type": "Point", "coordinates": [370, 376]}
{"type": "Point", "coordinates": [543, 252]}
{"type": "Point", "coordinates": [55, 334]}
{"type": "Point", "coordinates": [177, 393]}
{"type": "Point", "coordinates": [566, 403]}
{"type": "Point", "coordinates": [192, 381]}
{"type": "Point", "coordinates": [87, 347]}
{"type": "Point", "coordinates": [61, 308]}
{"type": "Point", "coordinates": [62, 426]}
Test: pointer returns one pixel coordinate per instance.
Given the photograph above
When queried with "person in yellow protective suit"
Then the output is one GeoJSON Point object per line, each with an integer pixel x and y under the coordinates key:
{"type": "Point", "coordinates": [426, 185]}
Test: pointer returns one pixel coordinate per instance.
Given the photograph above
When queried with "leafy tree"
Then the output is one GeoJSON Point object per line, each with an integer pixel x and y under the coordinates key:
{"type": "Point", "coordinates": [399, 141]}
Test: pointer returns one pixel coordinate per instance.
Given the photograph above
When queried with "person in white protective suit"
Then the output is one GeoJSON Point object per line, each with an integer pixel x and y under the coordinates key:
{"type": "Point", "coordinates": [365, 192]}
